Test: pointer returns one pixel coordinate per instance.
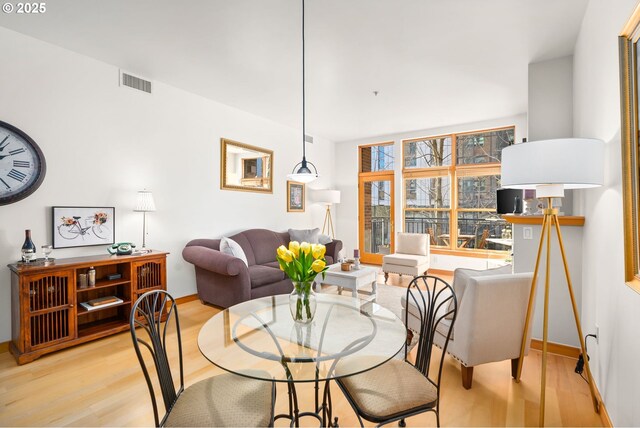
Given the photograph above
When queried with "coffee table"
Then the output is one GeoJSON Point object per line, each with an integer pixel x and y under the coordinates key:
{"type": "Point", "coordinates": [354, 280]}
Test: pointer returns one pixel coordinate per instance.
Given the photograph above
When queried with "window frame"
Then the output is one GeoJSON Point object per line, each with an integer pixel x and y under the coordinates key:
{"type": "Point", "coordinates": [628, 63]}
{"type": "Point", "coordinates": [454, 172]}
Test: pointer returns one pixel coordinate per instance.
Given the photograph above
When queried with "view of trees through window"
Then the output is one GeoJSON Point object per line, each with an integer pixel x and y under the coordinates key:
{"type": "Point", "coordinates": [432, 205]}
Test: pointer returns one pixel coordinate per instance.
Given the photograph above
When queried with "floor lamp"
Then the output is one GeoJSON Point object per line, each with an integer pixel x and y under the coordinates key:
{"type": "Point", "coordinates": [550, 166]}
{"type": "Point", "coordinates": [144, 204]}
{"type": "Point", "coordinates": [327, 197]}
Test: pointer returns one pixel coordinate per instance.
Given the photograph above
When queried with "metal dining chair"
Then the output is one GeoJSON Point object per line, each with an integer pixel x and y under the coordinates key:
{"type": "Point", "coordinates": [400, 389]}
{"type": "Point", "coordinates": [224, 400]}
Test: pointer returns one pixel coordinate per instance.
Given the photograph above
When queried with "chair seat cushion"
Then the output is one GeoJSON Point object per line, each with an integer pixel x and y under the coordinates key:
{"type": "Point", "coordinates": [405, 259]}
{"type": "Point", "coordinates": [394, 388]}
{"type": "Point", "coordinates": [262, 275]}
{"type": "Point", "coordinates": [223, 401]}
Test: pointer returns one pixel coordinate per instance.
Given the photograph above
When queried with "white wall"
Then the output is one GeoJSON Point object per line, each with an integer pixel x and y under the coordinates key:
{"type": "Point", "coordinates": [347, 182]}
{"type": "Point", "coordinates": [606, 300]}
{"type": "Point", "coordinates": [102, 143]}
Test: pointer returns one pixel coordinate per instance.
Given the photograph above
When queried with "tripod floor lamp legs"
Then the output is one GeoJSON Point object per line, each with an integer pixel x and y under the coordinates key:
{"type": "Point", "coordinates": [549, 222]}
{"type": "Point", "coordinates": [328, 223]}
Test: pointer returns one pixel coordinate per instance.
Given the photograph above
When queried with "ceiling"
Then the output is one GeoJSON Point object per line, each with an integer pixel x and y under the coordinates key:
{"type": "Point", "coordinates": [433, 62]}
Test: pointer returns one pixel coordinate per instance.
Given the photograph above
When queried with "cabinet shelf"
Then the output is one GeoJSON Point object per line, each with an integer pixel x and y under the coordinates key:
{"type": "Point", "coordinates": [104, 284]}
{"type": "Point", "coordinates": [82, 310]}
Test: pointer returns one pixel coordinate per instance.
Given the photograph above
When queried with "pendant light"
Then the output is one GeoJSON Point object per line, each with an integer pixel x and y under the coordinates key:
{"type": "Point", "coordinates": [301, 172]}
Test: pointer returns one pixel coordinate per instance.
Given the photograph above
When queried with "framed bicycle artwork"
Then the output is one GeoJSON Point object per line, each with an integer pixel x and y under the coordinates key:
{"type": "Point", "coordinates": [83, 226]}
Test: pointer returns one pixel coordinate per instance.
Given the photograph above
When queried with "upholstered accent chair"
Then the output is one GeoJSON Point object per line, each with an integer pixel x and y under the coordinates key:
{"type": "Point", "coordinates": [224, 400]}
{"type": "Point", "coordinates": [492, 306]}
{"type": "Point", "coordinates": [411, 256]}
{"type": "Point", "coordinates": [399, 389]}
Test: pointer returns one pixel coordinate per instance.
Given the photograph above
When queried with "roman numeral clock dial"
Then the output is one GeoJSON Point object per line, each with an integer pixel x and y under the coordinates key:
{"type": "Point", "coordinates": [22, 164]}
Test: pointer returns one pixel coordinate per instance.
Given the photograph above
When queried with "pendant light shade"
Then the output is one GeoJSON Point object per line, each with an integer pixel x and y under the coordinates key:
{"type": "Point", "coordinates": [304, 171]}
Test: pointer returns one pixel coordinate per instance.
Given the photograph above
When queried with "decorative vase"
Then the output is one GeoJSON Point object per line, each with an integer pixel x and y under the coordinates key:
{"type": "Point", "coordinates": [302, 302]}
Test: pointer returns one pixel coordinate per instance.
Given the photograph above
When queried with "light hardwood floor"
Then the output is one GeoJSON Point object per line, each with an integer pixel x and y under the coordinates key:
{"type": "Point", "coordinates": [101, 384]}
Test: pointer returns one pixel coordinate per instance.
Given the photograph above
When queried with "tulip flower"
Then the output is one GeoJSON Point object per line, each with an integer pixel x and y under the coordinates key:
{"type": "Point", "coordinates": [318, 265]}
{"type": "Point", "coordinates": [305, 247]}
{"type": "Point", "coordinates": [318, 251]}
{"type": "Point", "coordinates": [294, 247]}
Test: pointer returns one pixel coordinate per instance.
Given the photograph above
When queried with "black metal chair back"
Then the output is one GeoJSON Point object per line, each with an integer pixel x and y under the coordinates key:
{"type": "Point", "coordinates": [436, 302]}
{"type": "Point", "coordinates": [151, 315]}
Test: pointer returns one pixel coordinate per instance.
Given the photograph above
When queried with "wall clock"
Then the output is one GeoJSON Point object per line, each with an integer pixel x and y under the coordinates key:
{"type": "Point", "coordinates": [22, 164]}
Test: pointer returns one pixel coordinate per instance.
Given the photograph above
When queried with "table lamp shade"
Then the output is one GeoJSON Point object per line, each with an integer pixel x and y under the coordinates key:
{"type": "Point", "coordinates": [550, 166]}
{"type": "Point", "coordinates": [327, 196]}
{"type": "Point", "coordinates": [145, 202]}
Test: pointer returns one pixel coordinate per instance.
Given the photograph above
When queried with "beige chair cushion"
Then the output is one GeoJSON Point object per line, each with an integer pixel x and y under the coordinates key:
{"type": "Point", "coordinates": [223, 401]}
{"type": "Point", "coordinates": [412, 243]}
{"type": "Point", "coordinates": [405, 260]}
{"type": "Point", "coordinates": [392, 388]}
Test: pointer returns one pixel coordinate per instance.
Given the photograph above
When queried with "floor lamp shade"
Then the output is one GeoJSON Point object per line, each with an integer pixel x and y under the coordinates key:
{"type": "Point", "coordinates": [550, 166]}
{"type": "Point", "coordinates": [328, 197]}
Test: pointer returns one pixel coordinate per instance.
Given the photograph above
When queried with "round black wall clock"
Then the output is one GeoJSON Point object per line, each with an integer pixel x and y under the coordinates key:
{"type": "Point", "coordinates": [22, 164]}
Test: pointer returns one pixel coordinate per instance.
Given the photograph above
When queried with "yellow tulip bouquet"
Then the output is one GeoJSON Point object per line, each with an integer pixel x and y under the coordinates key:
{"type": "Point", "coordinates": [302, 262]}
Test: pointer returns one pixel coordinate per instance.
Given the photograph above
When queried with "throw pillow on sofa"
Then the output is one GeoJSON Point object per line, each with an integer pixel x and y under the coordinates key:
{"type": "Point", "coordinates": [305, 235]}
{"type": "Point", "coordinates": [231, 247]}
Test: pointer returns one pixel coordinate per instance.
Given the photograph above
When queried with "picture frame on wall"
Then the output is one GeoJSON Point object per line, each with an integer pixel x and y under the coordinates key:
{"type": "Point", "coordinates": [295, 197]}
{"type": "Point", "coordinates": [82, 226]}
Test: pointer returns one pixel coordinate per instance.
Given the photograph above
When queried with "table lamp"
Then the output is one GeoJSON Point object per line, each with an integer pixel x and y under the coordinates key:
{"type": "Point", "coordinates": [144, 204]}
{"type": "Point", "coordinates": [550, 167]}
{"type": "Point", "coordinates": [327, 197]}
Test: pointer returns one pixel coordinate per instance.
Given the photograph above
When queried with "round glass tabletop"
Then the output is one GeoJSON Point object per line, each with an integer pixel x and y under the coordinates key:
{"type": "Point", "coordinates": [259, 338]}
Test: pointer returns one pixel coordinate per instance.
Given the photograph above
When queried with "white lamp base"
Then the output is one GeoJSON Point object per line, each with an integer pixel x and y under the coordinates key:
{"type": "Point", "coordinates": [550, 191]}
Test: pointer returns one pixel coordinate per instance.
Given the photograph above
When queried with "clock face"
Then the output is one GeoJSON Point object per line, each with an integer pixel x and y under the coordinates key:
{"type": "Point", "coordinates": [22, 164]}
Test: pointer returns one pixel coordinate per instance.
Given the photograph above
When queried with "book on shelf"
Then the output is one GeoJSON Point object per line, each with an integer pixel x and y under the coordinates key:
{"type": "Point", "coordinates": [101, 302]}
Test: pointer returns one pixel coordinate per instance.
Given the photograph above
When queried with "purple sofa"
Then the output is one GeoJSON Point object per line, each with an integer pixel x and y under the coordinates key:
{"type": "Point", "coordinates": [224, 280]}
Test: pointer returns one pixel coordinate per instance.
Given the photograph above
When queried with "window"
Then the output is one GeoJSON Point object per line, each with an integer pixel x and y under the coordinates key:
{"type": "Point", "coordinates": [376, 158]}
{"type": "Point", "coordinates": [450, 185]}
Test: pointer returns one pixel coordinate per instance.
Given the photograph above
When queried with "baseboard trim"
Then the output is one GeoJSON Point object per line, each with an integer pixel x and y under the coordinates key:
{"type": "Point", "coordinates": [4, 347]}
{"type": "Point", "coordinates": [186, 299]}
{"type": "Point", "coordinates": [439, 272]}
{"type": "Point", "coordinates": [556, 348]}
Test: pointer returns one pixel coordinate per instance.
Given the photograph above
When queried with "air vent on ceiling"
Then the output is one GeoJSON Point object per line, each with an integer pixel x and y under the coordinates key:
{"type": "Point", "coordinates": [133, 82]}
{"type": "Point", "coordinates": [308, 139]}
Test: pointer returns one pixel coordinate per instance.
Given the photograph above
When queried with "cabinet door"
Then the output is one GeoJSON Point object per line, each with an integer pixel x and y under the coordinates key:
{"type": "Point", "coordinates": [149, 275]}
{"type": "Point", "coordinates": [50, 309]}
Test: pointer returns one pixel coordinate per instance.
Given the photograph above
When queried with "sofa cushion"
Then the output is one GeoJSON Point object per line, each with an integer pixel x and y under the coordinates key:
{"type": "Point", "coordinates": [232, 248]}
{"type": "Point", "coordinates": [305, 235]}
{"type": "Point", "coordinates": [272, 264]}
{"type": "Point", "coordinates": [405, 260]}
{"type": "Point", "coordinates": [263, 275]}
{"type": "Point", "coordinates": [264, 244]}
{"type": "Point", "coordinates": [412, 243]}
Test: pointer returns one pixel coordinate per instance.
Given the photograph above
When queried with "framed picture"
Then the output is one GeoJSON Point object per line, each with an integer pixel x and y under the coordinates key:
{"type": "Point", "coordinates": [295, 197]}
{"type": "Point", "coordinates": [82, 226]}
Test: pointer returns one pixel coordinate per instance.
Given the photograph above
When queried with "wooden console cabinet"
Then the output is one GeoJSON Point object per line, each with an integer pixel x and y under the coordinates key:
{"type": "Point", "coordinates": [46, 310]}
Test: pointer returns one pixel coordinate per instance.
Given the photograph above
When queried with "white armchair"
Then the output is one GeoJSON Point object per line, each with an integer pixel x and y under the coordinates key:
{"type": "Point", "coordinates": [492, 306]}
{"type": "Point", "coordinates": [411, 256]}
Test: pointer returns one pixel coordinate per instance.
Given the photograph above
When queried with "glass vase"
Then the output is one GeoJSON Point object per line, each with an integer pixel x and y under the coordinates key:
{"type": "Point", "coordinates": [302, 302]}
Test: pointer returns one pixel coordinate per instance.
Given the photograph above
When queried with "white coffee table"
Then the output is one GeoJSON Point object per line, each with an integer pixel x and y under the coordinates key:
{"type": "Point", "coordinates": [354, 280]}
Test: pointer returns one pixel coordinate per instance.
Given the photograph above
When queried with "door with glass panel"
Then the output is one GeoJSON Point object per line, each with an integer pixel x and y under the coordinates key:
{"type": "Point", "coordinates": [376, 202]}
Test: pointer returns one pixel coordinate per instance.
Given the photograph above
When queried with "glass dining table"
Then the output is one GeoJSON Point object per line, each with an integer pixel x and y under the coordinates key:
{"type": "Point", "coordinates": [259, 339]}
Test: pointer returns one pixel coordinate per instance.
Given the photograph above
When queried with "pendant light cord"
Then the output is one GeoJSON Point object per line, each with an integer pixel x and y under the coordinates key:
{"type": "Point", "coordinates": [304, 143]}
